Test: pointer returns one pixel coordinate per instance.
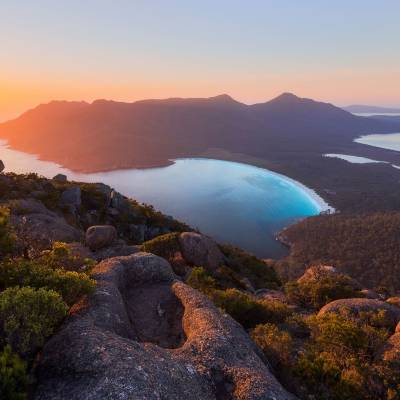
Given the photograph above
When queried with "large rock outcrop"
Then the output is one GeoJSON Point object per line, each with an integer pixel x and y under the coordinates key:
{"type": "Point", "coordinates": [200, 250]}
{"type": "Point", "coordinates": [146, 335]}
{"type": "Point", "coordinates": [60, 178]}
{"type": "Point", "coordinates": [317, 272]}
{"type": "Point", "coordinates": [38, 227]}
{"type": "Point", "coordinates": [72, 196]}
{"type": "Point", "coordinates": [356, 306]}
{"type": "Point", "coordinates": [100, 236]}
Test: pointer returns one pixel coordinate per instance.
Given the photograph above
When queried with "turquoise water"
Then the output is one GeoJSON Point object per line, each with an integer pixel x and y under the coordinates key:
{"type": "Point", "coordinates": [232, 202]}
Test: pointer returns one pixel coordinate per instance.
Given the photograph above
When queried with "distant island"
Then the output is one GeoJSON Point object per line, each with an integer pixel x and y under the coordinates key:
{"type": "Point", "coordinates": [360, 108]}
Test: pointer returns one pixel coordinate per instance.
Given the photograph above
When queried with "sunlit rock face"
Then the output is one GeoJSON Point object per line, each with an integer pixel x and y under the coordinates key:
{"type": "Point", "coordinates": [146, 335]}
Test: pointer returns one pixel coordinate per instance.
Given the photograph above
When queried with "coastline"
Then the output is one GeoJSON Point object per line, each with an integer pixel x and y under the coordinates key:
{"type": "Point", "coordinates": [212, 153]}
{"type": "Point", "coordinates": [314, 196]}
{"type": "Point", "coordinates": [220, 154]}
{"type": "Point", "coordinates": [320, 203]}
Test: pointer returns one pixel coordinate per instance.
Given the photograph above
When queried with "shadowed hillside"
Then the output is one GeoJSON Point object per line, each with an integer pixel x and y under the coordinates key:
{"type": "Point", "coordinates": [287, 134]}
{"type": "Point", "coordinates": [106, 135]}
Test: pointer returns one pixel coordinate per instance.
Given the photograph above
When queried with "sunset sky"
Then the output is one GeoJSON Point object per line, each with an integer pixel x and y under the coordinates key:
{"type": "Point", "coordinates": [339, 51]}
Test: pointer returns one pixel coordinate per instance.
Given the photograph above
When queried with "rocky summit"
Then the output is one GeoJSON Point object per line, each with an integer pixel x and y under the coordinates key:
{"type": "Point", "coordinates": [102, 297]}
{"type": "Point", "coordinates": [146, 335]}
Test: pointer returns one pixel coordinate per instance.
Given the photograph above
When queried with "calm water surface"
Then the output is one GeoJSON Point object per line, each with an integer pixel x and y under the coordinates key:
{"type": "Point", "coordinates": [389, 141]}
{"type": "Point", "coordinates": [232, 202]}
{"type": "Point", "coordinates": [354, 159]}
{"type": "Point", "coordinates": [377, 114]}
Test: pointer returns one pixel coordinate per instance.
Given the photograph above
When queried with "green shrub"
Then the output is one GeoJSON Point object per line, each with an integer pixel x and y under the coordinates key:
{"type": "Point", "coordinates": [276, 344]}
{"type": "Point", "coordinates": [29, 316]}
{"type": "Point", "coordinates": [247, 310]}
{"type": "Point", "coordinates": [374, 318]}
{"type": "Point", "coordinates": [201, 280]}
{"type": "Point", "coordinates": [7, 237]}
{"type": "Point", "coordinates": [339, 361]}
{"type": "Point", "coordinates": [70, 285]}
{"type": "Point", "coordinates": [297, 326]}
{"type": "Point", "coordinates": [317, 293]}
{"type": "Point", "coordinates": [165, 246]}
{"type": "Point", "coordinates": [92, 197]}
{"type": "Point", "coordinates": [13, 376]}
{"type": "Point", "coordinates": [226, 278]}
{"type": "Point", "coordinates": [23, 272]}
{"type": "Point", "coordinates": [61, 257]}
{"type": "Point", "coordinates": [257, 271]}
{"type": "Point", "coordinates": [156, 218]}
{"type": "Point", "coordinates": [324, 379]}
{"type": "Point", "coordinates": [342, 334]}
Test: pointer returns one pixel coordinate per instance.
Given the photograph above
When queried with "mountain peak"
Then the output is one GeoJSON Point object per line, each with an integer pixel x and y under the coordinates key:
{"type": "Point", "coordinates": [223, 98]}
{"type": "Point", "coordinates": [286, 97]}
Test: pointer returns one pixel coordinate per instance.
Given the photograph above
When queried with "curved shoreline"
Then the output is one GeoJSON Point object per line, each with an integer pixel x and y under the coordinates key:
{"type": "Point", "coordinates": [318, 201]}
{"type": "Point", "coordinates": [314, 196]}
{"type": "Point", "coordinates": [321, 204]}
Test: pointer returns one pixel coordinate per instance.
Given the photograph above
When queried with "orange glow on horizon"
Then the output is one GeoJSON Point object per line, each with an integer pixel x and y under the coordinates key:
{"type": "Point", "coordinates": [340, 88]}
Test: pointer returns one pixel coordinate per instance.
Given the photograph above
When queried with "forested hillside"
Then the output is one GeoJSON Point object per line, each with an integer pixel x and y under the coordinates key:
{"type": "Point", "coordinates": [364, 246]}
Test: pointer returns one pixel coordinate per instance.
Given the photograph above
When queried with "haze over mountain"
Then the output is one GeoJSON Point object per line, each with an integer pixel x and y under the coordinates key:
{"type": "Point", "coordinates": [106, 135]}
{"type": "Point", "coordinates": [360, 108]}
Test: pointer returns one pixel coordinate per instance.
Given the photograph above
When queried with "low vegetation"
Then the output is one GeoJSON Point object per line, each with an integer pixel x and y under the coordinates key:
{"type": "Point", "coordinates": [366, 247]}
{"type": "Point", "coordinates": [335, 356]}
{"type": "Point", "coordinates": [315, 294]}
{"type": "Point", "coordinates": [35, 295]}
{"type": "Point", "coordinates": [329, 357]}
{"type": "Point", "coordinates": [165, 246]}
{"type": "Point", "coordinates": [28, 317]}
{"type": "Point", "coordinates": [247, 265]}
{"type": "Point", "coordinates": [7, 237]}
{"type": "Point", "coordinates": [14, 379]}
{"type": "Point", "coordinates": [22, 272]}
{"type": "Point", "coordinates": [61, 256]}
{"type": "Point", "coordinates": [337, 360]}
{"type": "Point", "coordinates": [248, 310]}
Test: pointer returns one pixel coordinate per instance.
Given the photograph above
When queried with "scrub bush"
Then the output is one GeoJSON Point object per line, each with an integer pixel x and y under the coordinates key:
{"type": "Point", "coordinates": [201, 280]}
{"type": "Point", "coordinates": [276, 344]}
{"type": "Point", "coordinates": [7, 238]}
{"type": "Point", "coordinates": [28, 317]}
{"type": "Point", "coordinates": [248, 310]}
{"type": "Point", "coordinates": [23, 272]}
{"type": "Point", "coordinates": [317, 293]}
{"type": "Point", "coordinates": [60, 256]}
{"type": "Point", "coordinates": [246, 265]}
{"type": "Point", "coordinates": [13, 376]}
{"type": "Point", "coordinates": [165, 246]}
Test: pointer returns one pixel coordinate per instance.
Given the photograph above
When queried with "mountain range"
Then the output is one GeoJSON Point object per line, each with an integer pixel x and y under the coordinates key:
{"type": "Point", "coordinates": [106, 135]}
{"type": "Point", "coordinates": [287, 134]}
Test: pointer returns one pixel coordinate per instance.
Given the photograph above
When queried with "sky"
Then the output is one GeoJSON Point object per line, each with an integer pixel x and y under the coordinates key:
{"type": "Point", "coordinates": [343, 52]}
